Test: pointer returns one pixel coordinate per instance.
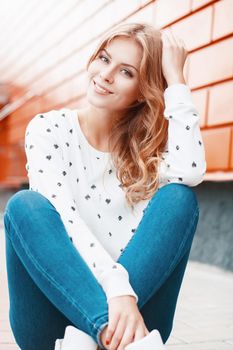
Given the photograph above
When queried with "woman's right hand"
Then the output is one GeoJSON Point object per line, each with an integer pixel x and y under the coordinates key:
{"type": "Point", "coordinates": [125, 325]}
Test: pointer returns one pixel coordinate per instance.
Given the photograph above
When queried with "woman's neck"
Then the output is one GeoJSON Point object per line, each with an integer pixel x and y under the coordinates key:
{"type": "Point", "coordinates": [96, 127]}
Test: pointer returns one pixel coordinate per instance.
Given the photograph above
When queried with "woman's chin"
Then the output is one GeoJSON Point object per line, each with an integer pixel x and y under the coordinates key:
{"type": "Point", "coordinates": [98, 102]}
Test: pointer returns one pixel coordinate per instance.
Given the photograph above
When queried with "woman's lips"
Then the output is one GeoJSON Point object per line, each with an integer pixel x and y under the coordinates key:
{"type": "Point", "coordinates": [100, 89]}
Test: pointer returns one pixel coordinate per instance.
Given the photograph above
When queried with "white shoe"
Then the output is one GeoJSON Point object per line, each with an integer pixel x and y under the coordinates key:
{"type": "Point", "coordinates": [75, 339]}
{"type": "Point", "coordinates": [151, 341]}
{"type": "Point", "coordinates": [58, 344]}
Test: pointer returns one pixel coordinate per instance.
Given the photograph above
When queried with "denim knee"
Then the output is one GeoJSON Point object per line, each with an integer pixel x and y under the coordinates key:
{"type": "Point", "coordinates": [22, 200]}
{"type": "Point", "coordinates": [181, 195]}
{"type": "Point", "coordinates": [23, 204]}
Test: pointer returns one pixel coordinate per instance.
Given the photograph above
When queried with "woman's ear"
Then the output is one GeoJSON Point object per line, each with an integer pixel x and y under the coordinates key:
{"type": "Point", "coordinates": [140, 98]}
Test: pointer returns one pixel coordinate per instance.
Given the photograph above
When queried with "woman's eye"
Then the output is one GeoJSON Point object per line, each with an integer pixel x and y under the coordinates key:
{"type": "Point", "coordinates": [127, 72]}
{"type": "Point", "coordinates": [101, 57]}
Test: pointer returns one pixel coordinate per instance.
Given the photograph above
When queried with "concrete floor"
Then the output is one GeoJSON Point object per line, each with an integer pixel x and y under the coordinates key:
{"type": "Point", "coordinates": [204, 314]}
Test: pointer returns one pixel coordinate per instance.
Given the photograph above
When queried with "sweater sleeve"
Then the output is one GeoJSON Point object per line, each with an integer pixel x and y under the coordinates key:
{"type": "Point", "coordinates": [48, 175]}
{"type": "Point", "coordinates": [184, 158]}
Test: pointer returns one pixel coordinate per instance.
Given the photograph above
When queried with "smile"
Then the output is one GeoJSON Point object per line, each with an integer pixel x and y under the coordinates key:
{"type": "Point", "coordinates": [101, 90]}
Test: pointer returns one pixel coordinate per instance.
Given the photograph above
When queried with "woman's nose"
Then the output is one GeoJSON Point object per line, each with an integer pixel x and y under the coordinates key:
{"type": "Point", "coordinates": [107, 75]}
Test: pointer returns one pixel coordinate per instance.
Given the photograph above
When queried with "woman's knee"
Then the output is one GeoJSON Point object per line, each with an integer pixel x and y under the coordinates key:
{"type": "Point", "coordinates": [181, 197]}
{"type": "Point", "coordinates": [23, 205]}
{"type": "Point", "coordinates": [185, 194]}
{"type": "Point", "coordinates": [22, 199]}
{"type": "Point", "coordinates": [25, 201]}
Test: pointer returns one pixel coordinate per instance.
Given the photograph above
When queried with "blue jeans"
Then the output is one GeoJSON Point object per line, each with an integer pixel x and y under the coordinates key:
{"type": "Point", "coordinates": [51, 286]}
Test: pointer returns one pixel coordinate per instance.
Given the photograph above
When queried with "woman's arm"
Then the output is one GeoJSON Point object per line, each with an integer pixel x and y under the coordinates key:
{"type": "Point", "coordinates": [184, 159]}
{"type": "Point", "coordinates": [48, 173]}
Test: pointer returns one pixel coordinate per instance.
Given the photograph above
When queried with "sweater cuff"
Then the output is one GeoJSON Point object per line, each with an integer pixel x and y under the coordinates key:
{"type": "Point", "coordinates": [115, 288]}
{"type": "Point", "coordinates": [177, 94]}
{"type": "Point", "coordinates": [117, 284]}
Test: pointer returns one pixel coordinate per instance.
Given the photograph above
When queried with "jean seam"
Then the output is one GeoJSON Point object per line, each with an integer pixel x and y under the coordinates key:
{"type": "Point", "coordinates": [99, 329]}
{"type": "Point", "coordinates": [165, 275]}
{"type": "Point", "coordinates": [44, 273]}
{"type": "Point", "coordinates": [186, 237]}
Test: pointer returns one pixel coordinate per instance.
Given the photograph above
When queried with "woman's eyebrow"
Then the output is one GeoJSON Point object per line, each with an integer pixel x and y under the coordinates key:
{"type": "Point", "coordinates": [124, 64]}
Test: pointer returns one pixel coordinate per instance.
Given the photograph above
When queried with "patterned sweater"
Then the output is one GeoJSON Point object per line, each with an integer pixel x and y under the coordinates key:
{"type": "Point", "coordinates": [80, 181]}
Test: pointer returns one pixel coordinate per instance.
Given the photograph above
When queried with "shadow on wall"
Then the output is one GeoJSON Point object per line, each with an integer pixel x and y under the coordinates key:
{"type": "Point", "coordinates": [213, 240]}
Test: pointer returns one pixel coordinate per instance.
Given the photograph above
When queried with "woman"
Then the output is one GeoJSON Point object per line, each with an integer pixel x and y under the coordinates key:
{"type": "Point", "coordinates": [105, 230]}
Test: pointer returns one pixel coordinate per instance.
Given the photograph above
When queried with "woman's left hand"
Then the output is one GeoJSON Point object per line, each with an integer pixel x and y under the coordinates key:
{"type": "Point", "coordinates": [174, 54]}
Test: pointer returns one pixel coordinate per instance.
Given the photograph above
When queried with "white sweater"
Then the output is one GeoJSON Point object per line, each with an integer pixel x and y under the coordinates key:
{"type": "Point", "coordinates": [68, 171]}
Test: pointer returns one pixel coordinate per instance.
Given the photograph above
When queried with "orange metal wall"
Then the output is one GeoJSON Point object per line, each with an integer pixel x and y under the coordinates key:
{"type": "Point", "coordinates": [46, 45]}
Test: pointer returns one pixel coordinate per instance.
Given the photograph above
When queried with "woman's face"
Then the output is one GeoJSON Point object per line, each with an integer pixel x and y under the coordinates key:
{"type": "Point", "coordinates": [113, 77]}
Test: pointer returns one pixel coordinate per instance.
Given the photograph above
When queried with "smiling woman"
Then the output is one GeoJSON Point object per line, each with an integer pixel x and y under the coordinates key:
{"type": "Point", "coordinates": [120, 79]}
{"type": "Point", "coordinates": [113, 87]}
{"type": "Point", "coordinates": [109, 219]}
{"type": "Point", "coordinates": [125, 90]}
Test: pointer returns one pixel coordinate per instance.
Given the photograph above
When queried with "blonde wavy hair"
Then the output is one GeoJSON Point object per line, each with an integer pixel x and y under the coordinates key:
{"type": "Point", "coordinates": [138, 139]}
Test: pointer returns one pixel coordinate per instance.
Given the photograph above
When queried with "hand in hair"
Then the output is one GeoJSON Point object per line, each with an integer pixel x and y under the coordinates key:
{"type": "Point", "coordinates": [126, 323]}
{"type": "Point", "coordinates": [174, 54]}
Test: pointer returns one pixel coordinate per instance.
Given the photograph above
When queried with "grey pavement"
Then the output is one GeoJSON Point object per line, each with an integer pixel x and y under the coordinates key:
{"type": "Point", "coordinates": [204, 313]}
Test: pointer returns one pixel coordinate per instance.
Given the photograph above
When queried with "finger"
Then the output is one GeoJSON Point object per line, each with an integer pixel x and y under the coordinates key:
{"type": "Point", "coordinates": [174, 40]}
{"type": "Point", "coordinates": [112, 324]}
{"type": "Point", "coordinates": [170, 36]}
{"type": "Point", "coordinates": [140, 333]}
{"type": "Point", "coordinates": [183, 44]}
{"type": "Point", "coordinates": [165, 37]}
{"type": "Point", "coordinates": [179, 41]}
{"type": "Point", "coordinates": [118, 334]}
{"type": "Point", "coordinates": [128, 336]}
